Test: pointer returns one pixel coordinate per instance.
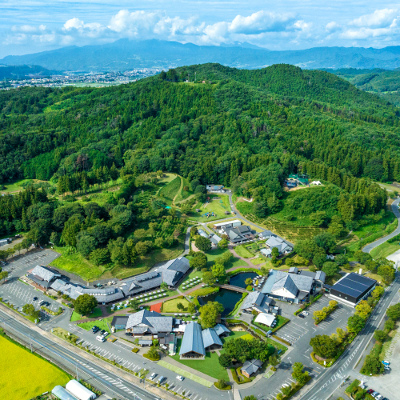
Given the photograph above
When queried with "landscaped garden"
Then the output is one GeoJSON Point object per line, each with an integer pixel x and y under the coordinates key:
{"type": "Point", "coordinates": [24, 375]}
{"type": "Point", "coordinates": [95, 314]}
{"type": "Point", "coordinates": [104, 323]}
{"type": "Point", "coordinates": [171, 306]}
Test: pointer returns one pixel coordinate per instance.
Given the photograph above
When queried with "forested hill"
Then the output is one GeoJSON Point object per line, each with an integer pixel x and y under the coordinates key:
{"type": "Point", "coordinates": [229, 129]}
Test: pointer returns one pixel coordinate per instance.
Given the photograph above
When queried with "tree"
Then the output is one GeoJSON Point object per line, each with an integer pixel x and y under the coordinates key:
{"type": "Point", "coordinates": [85, 243]}
{"type": "Point", "coordinates": [248, 281]}
{"type": "Point", "coordinates": [341, 259]}
{"type": "Point", "coordinates": [198, 261]}
{"type": "Point", "coordinates": [209, 314]}
{"type": "Point", "coordinates": [29, 309]}
{"type": "Point", "coordinates": [164, 285]}
{"type": "Point", "coordinates": [3, 275]}
{"type": "Point", "coordinates": [330, 268]}
{"type": "Point", "coordinates": [85, 304]}
{"type": "Point", "coordinates": [363, 309]}
{"type": "Point", "coordinates": [393, 312]}
{"type": "Point", "coordinates": [355, 323]}
{"type": "Point", "coordinates": [191, 308]}
{"type": "Point", "coordinates": [223, 243]}
{"type": "Point", "coordinates": [274, 360]}
{"type": "Point", "coordinates": [251, 397]}
{"type": "Point", "coordinates": [372, 365]}
{"type": "Point", "coordinates": [362, 257]}
{"type": "Point", "coordinates": [378, 292]}
{"type": "Point", "coordinates": [180, 306]}
{"type": "Point", "coordinates": [324, 346]}
{"type": "Point", "coordinates": [209, 278]}
{"type": "Point", "coordinates": [203, 243]}
{"type": "Point", "coordinates": [219, 273]}
{"type": "Point", "coordinates": [300, 377]}
{"type": "Point", "coordinates": [326, 241]}
{"type": "Point", "coordinates": [100, 256]}
{"type": "Point", "coordinates": [319, 260]}
{"type": "Point", "coordinates": [389, 325]}
{"type": "Point", "coordinates": [225, 360]}
{"type": "Point", "coordinates": [133, 304]}
{"type": "Point", "coordinates": [319, 315]}
{"type": "Point", "coordinates": [387, 273]}
{"type": "Point", "coordinates": [153, 354]}
{"type": "Point", "coordinates": [380, 336]}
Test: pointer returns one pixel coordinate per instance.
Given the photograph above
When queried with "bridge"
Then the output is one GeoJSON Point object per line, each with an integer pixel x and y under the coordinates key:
{"type": "Point", "coordinates": [234, 288]}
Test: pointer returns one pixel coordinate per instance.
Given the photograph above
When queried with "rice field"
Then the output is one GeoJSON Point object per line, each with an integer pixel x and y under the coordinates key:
{"type": "Point", "coordinates": [24, 375]}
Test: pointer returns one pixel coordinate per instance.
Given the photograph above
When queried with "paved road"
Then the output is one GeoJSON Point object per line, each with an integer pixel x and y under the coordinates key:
{"type": "Point", "coordinates": [396, 212]}
{"type": "Point", "coordinates": [331, 378]}
{"type": "Point", "coordinates": [93, 372]}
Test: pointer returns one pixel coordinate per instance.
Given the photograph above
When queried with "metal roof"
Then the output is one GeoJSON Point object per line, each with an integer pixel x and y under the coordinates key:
{"type": "Point", "coordinates": [154, 322]}
{"type": "Point", "coordinates": [210, 338]}
{"type": "Point", "coordinates": [80, 391]}
{"type": "Point", "coordinates": [354, 284]}
{"type": "Point", "coordinates": [141, 283]}
{"type": "Point", "coordinates": [253, 298]}
{"type": "Point", "coordinates": [44, 273]}
{"type": "Point", "coordinates": [279, 279]}
{"type": "Point", "coordinates": [320, 276]}
{"type": "Point", "coordinates": [192, 340]}
{"type": "Point", "coordinates": [221, 329]}
{"type": "Point", "coordinates": [285, 282]}
{"type": "Point", "coordinates": [173, 270]}
{"type": "Point", "coordinates": [251, 367]}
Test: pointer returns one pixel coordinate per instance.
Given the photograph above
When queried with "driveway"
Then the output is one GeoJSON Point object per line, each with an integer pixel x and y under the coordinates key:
{"type": "Point", "coordinates": [396, 212]}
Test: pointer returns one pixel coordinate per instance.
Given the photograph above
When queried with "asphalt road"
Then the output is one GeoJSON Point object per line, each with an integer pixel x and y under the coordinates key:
{"type": "Point", "coordinates": [92, 372]}
{"type": "Point", "coordinates": [332, 377]}
{"type": "Point", "coordinates": [396, 212]}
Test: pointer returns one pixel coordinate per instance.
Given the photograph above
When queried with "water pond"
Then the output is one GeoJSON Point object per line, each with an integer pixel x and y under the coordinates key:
{"type": "Point", "coordinates": [240, 279]}
{"type": "Point", "coordinates": [227, 298]}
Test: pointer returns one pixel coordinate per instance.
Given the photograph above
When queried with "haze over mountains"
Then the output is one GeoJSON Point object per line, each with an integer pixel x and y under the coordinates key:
{"type": "Point", "coordinates": [127, 54]}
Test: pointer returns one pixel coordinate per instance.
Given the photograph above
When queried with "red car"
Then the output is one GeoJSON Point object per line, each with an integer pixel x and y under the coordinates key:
{"type": "Point", "coordinates": [370, 391]}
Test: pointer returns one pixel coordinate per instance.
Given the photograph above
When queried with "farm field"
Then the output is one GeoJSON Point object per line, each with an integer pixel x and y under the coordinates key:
{"type": "Point", "coordinates": [28, 379]}
{"type": "Point", "coordinates": [169, 191]}
{"type": "Point", "coordinates": [218, 204]}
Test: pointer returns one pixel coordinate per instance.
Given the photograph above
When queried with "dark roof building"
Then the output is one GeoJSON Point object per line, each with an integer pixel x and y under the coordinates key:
{"type": "Point", "coordinates": [119, 322]}
{"type": "Point", "coordinates": [251, 367]}
{"type": "Point", "coordinates": [239, 234]}
{"type": "Point", "coordinates": [147, 322]}
{"type": "Point", "coordinates": [142, 283]}
{"type": "Point", "coordinates": [211, 340]}
{"type": "Point", "coordinates": [43, 276]}
{"type": "Point", "coordinates": [256, 301]}
{"type": "Point", "coordinates": [192, 342]}
{"type": "Point", "coordinates": [352, 288]}
{"type": "Point", "coordinates": [174, 270]}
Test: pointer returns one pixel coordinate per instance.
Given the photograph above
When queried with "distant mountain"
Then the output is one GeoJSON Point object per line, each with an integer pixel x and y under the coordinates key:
{"type": "Point", "coordinates": [23, 71]}
{"type": "Point", "coordinates": [127, 54]}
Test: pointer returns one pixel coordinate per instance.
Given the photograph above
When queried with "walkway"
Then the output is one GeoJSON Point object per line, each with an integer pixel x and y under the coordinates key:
{"type": "Point", "coordinates": [373, 245]}
{"type": "Point", "coordinates": [235, 288]}
{"type": "Point", "coordinates": [246, 260]}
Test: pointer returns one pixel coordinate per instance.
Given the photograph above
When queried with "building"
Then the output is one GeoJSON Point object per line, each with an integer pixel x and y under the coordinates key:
{"type": "Point", "coordinates": [142, 283]}
{"type": "Point", "coordinates": [79, 391]}
{"type": "Point", "coordinates": [201, 232]}
{"type": "Point", "coordinates": [251, 367]}
{"type": "Point", "coordinates": [352, 288]}
{"type": "Point", "coordinates": [62, 394]}
{"type": "Point", "coordinates": [174, 270]}
{"type": "Point", "coordinates": [192, 345]}
{"type": "Point", "coordinates": [280, 244]}
{"type": "Point", "coordinates": [265, 235]}
{"type": "Point", "coordinates": [215, 239]}
{"type": "Point", "coordinates": [256, 301]}
{"type": "Point", "coordinates": [266, 252]}
{"type": "Point", "coordinates": [119, 322]}
{"type": "Point", "coordinates": [196, 342]}
{"type": "Point", "coordinates": [316, 183]}
{"type": "Point", "coordinates": [265, 319]}
{"type": "Point", "coordinates": [295, 288]}
{"type": "Point", "coordinates": [211, 340]}
{"type": "Point", "coordinates": [240, 234]}
{"type": "Point", "coordinates": [43, 276]}
{"type": "Point", "coordinates": [215, 189]}
{"type": "Point", "coordinates": [148, 323]}
{"type": "Point", "coordinates": [228, 224]}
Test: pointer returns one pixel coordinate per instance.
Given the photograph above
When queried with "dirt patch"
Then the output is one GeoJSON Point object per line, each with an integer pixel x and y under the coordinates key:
{"type": "Point", "coordinates": [237, 329]}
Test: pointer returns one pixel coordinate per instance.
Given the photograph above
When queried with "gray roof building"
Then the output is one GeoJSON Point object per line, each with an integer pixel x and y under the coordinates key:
{"type": "Point", "coordinates": [210, 338]}
{"type": "Point", "coordinates": [174, 270]}
{"type": "Point", "coordinates": [250, 367]}
{"type": "Point", "coordinates": [265, 234]}
{"type": "Point", "coordinates": [43, 276]}
{"type": "Point", "coordinates": [203, 233]}
{"type": "Point", "coordinates": [62, 394]}
{"type": "Point", "coordinates": [149, 322]}
{"type": "Point", "coordinates": [215, 239]}
{"type": "Point", "coordinates": [221, 330]}
{"type": "Point", "coordinates": [279, 243]}
{"type": "Point", "coordinates": [119, 322]}
{"type": "Point", "coordinates": [142, 283]}
{"type": "Point", "coordinates": [192, 342]}
{"type": "Point", "coordinates": [256, 301]}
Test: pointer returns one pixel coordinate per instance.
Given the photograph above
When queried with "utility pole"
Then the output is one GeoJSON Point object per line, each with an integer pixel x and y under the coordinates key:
{"type": "Point", "coordinates": [77, 376]}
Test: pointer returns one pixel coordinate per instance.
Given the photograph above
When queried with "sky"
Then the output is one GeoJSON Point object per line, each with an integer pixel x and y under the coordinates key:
{"type": "Point", "coordinates": [30, 26]}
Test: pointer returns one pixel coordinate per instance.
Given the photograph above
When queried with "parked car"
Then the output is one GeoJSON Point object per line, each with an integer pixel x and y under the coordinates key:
{"type": "Point", "coordinates": [100, 338]}
{"type": "Point", "coordinates": [161, 379]}
{"type": "Point", "coordinates": [102, 332]}
{"type": "Point", "coordinates": [95, 329]}
{"type": "Point", "coordinates": [180, 378]}
{"type": "Point", "coordinates": [152, 376]}
{"type": "Point", "coordinates": [35, 298]}
{"type": "Point", "coordinates": [369, 391]}
{"type": "Point", "coordinates": [385, 362]}
{"type": "Point", "coordinates": [306, 313]}
{"type": "Point", "coordinates": [301, 315]}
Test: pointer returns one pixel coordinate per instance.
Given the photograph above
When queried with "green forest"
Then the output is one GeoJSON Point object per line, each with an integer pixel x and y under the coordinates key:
{"type": "Point", "coordinates": [247, 130]}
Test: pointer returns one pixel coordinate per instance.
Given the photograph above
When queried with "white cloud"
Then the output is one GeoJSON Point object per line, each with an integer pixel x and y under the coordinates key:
{"type": "Point", "coordinates": [378, 19]}
{"type": "Point", "coordinates": [332, 27]}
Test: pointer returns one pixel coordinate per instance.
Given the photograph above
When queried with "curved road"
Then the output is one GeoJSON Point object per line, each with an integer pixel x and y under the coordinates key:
{"type": "Point", "coordinates": [373, 245]}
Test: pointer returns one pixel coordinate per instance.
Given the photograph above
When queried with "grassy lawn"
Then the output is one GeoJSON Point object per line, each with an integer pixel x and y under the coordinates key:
{"type": "Point", "coordinates": [234, 262]}
{"type": "Point", "coordinates": [209, 366]}
{"type": "Point", "coordinates": [95, 314]}
{"type": "Point", "coordinates": [218, 205]}
{"type": "Point", "coordinates": [23, 375]}
{"type": "Point", "coordinates": [168, 192]}
{"type": "Point", "coordinates": [234, 335]}
{"type": "Point", "coordinates": [384, 250]}
{"type": "Point", "coordinates": [184, 373]}
{"type": "Point", "coordinates": [171, 306]}
{"type": "Point", "coordinates": [75, 263]}
{"type": "Point", "coordinates": [258, 261]}
{"type": "Point", "coordinates": [184, 194]}
{"type": "Point", "coordinates": [193, 274]}
{"type": "Point", "coordinates": [102, 324]}
{"type": "Point", "coordinates": [242, 251]}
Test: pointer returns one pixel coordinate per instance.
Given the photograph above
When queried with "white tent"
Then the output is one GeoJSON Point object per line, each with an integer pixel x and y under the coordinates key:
{"type": "Point", "coordinates": [62, 394]}
{"type": "Point", "coordinates": [266, 319]}
{"type": "Point", "coordinates": [79, 391]}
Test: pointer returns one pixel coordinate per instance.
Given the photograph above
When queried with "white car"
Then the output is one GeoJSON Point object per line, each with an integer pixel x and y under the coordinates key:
{"type": "Point", "coordinates": [100, 338]}
{"type": "Point", "coordinates": [180, 378]}
{"type": "Point", "coordinates": [152, 376]}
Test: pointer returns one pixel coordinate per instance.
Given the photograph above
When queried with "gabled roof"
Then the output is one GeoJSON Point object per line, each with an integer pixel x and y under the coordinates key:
{"type": "Point", "coordinates": [320, 276]}
{"type": "Point", "coordinates": [215, 239]}
{"type": "Point", "coordinates": [265, 234]}
{"type": "Point", "coordinates": [173, 270]}
{"type": "Point", "coordinates": [202, 233]}
{"type": "Point", "coordinates": [251, 367]}
{"type": "Point", "coordinates": [252, 299]}
{"type": "Point", "coordinates": [192, 340]}
{"type": "Point", "coordinates": [264, 318]}
{"type": "Point", "coordinates": [119, 320]}
{"type": "Point", "coordinates": [142, 283]}
{"type": "Point", "coordinates": [210, 338]}
{"type": "Point", "coordinates": [221, 329]}
{"type": "Point", "coordinates": [45, 273]}
{"type": "Point", "coordinates": [149, 320]}
{"type": "Point", "coordinates": [293, 270]}
{"type": "Point", "coordinates": [285, 282]}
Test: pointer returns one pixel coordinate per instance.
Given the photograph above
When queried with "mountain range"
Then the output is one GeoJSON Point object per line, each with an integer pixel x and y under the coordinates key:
{"type": "Point", "coordinates": [125, 54]}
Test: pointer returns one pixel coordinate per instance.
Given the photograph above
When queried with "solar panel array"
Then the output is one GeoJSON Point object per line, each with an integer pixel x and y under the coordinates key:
{"type": "Point", "coordinates": [354, 285]}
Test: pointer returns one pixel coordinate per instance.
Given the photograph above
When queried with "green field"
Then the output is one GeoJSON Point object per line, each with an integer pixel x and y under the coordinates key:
{"type": "Point", "coordinates": [23, 375]}
{"type": "Point", "coordinates": [212, 255]}
{"type": "Point", "coordinates": [95, 314]}
{"type": "Point", "coordinates": [385, 249]}
{"type": "Point", "coordinates": [168, 192]}
{"type": "Point", "coordinates": [170, 306]}
{"type": "Point", "coordinates": [242, 251]}
{"type": "Point", "coordinates": [102, 324]}
{"type": "Point", "coordinates": [209, 366]}
{"type": "Point", "coordinates": [258, 261]}
{"type": "Point", "coordinates": [219, 204]}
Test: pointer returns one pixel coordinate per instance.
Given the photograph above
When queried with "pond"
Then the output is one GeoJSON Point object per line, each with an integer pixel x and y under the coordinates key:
{"type": "Point", "coordinates": [239, 279]}
{"type": "Point", "coordinates": [227, 298]}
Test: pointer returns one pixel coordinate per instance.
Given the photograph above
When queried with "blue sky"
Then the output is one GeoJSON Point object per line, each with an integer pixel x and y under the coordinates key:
{"type": "Point", "coordinates": [28, 26]}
